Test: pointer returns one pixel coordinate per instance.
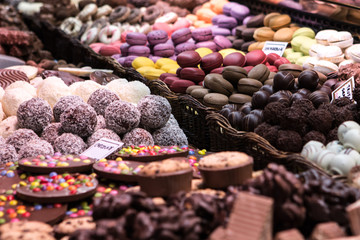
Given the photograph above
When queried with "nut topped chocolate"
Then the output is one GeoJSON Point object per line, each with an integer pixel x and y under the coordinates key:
{"type": "Point", "coordinates": [224, 159]}
{"type": "Point", "coordinates": [165, 166]}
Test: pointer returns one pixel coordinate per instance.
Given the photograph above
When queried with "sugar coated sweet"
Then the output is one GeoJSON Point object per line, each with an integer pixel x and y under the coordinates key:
{"type": "Point", "coordinates": [101, 98]}
{"type": "Point", "coordinates": [34, 114]}
{"type": "Point", "coordinates": [7, 153]}
{"type": "Point", "coordinates": [52, 89]}
{"type": "Point", "coordinates": [69, 143]}
{"type": "Point", "coordinates": [20, 137]}
{"type": "Point", "coordinates": [8, 126]}
{"type": "Point", "coordinates": [34, 148]}
{"type": "Point", "coordinates": [51, 132]}
{"type": "Point", "coordinates": [63, 103]}
{"type": "Point", "coordinates": [12, 100]}
{"type": "Point", "coordinates": [102, 133]}
{"type": "Point", "coordinates": [133, 91]}
{"type": "Point", "coordinates": [155, 111]}
{"type": "Point", "coordinates": [84, 89]}
{"type": "Point", "coordinates": [122, 116]}
{"type": "Point", "coordinates": [138, 136]}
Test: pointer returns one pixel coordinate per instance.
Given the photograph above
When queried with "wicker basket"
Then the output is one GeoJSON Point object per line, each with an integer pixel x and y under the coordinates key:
{"type": "Point", "coordinates": [223, 137]}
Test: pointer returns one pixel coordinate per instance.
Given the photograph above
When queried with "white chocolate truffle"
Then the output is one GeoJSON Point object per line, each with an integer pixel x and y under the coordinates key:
{"type": "Point", "coordinates": [52, 89]}
{"type": "Point", "coordinates": [8, 126]}
{"type": "Point", "coordinates": [133, 91]}
{"type": "Point", "coordinates": [341, 164]}
{"type": "Point", "coordinates": [352, 139]}
{"type": "Point", "coordinates": [352, 153]}
{"type": "Point", "coordinates": [116, 85]}
{"type": "Point", "coordinates": [311, 149]}
{"type": "Point", "coordinates": [23, 85]}
{"type": "Point", "coordinates": [12, 100]}
{"type": "Point", "coordinates": [84, 89]}
{"type": "Point", "coordinates": [2, 92]}
{"type": "Point", "coordinates": [335, 146]}
{"type": "Point", "coordinates": [36, 82]}
{"type": "Point", "coordinates": [345, 127]}
{"type": "Point", "coordinates": [324, 158]}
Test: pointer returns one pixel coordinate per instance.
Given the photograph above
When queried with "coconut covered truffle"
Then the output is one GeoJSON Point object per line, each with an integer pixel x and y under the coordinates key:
{"type": "Point", "coordinates": [79, 119]}
{"type": "Point", "coordinates": [101, 98]}
{"type": "Point", "coordinates": [102, 133]}
{"type": "Point", "coordinates": [69, 143]}
{"type": "Point", "coordinates": [34, 148]}
{"type": "Point", "coordinates": [20, 137]}
{"type": "Point", "coordinates": [101, 123]}
{"type": "Point", "coordinates": [84, 89]}
{"type": "Point", "coordinates": [52, 89]}
{"type": "Point", "coordinates": [23, 85]}
{"type": "Point", "coordinates": [138, 136]}
{"type": "Point", "coordinates": [8, 126]}
{"type": "Point", "coordinates": [2, 92]}
{"type": "Point", "coordinates": [155, 111]}
{"type": "Point", "coordinates": [122, 116]}
{"type": "Point", "coordinates": [51, 132]}
{"type": "Point", "coordinates": [133, 91]}
{"type": "Point", "coordinates": [12, 100]}
{"type": "Point", "coordinates": [2, 140]}
{"type": "Point", "coordinates": [63, 103]}
{"type": "Point", "coordinates": [172, 121]}
{"type": "Point", "coordinates": [34, 114]}
{"type": "Point", "coordinates": [289, 141]}
{"type": "Point", "coordinates": [116, 85]}
{"type": "Point", "coordinates": [168, 136]}
{"type": "Point", "coordinates": [7, 153]}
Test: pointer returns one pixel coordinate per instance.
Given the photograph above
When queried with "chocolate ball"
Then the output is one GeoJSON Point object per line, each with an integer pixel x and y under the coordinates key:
{"type": "Point", "coordinates": [246, 108]}
{"type": "Point", "coordinates": [69, 143]}
{"type": "Point", "coordinates": [138, 136]}
{"type": "Point", "coordinates": [267, 88]}
{"type": "Point", "coordinates": [297, 96]}
{"type": "Point", "coordinates": [318, 98]}
{"type": "Point", "coordinates": [155, 111]}
{"type": "Point", "coordinates": [260, 99]}
{"type": "Point", "coordinates": [283, 81]}
{"type": "Point", "coordinates": [63, 103]}
{"type": "Point", "coordinates": [308, 79]}
{"type": "Point", "coordinates": [304, 91]}
{"type": "Point", "coordinates": [226, 112]}
{"type": "Point", "coordinates": [250, 122]}
{"type": "Point", "coordinates": [235, 118]}
{"type": "Point", "coordinates": [326, 89]}
{"type": "Point", "coordinates": [331, 83]}
{"type": "Point", "coordinates": [280, 97]}
{"type": "Point", "coordinates": [34, 148]}
{"type": "Point", "coordinates": [259, 113]}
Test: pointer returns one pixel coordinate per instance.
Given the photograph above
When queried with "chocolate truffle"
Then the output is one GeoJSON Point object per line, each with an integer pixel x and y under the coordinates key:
{"type": "Point", "coordinates": [155, 111]}
{"type": "Point", "coordinates": [260, 99]}
{"type": "Point", "coordinates": [250, 122]}
{"type": "Point", "coordinates": [268, 132]}
{"type": "Point", "coordinates": [79, 119]}
{"type": "Point", "coordinates": [138, 136]}
{"type": "Point", "coordinates": [283, 81]}
{"type": "Point", "coordinates": [102, 133]}
{"type": "Point", "coordinates": [273, 112]}
{"type": "Point", "coordinates": [341, 115]}
{"type": "Point", "coordinates": [51, 132]}
{"type": "Point", "coordinates": [34, 114]}
{"type": "Point", "coordinates": [280, 97]}
{"type": "Point", "coordinates": [172, 122]}
{"type": "Point", "coordinates": [69, 143]}
{"type": "Point", "coordinates": [7, 153]}
{"type": "Point", "coordinates": [169, 136]}
{"type": "Point", "coordinates": [342, 102]}
{"type": "Point", "coordinates": [304, 104]}
{"type": "Point", "coordinates": [101, 98]}
{"type": "Point", "coordinates": [236, 118]}
{"type": "Point", "coordinates": [308, 79]}
{"type": "Point", "coordinates": [34, 148]}
{"type": "Point", "coordinates": [318, 98]}
{"type": "Point", "coordinates": [332, 135]}
{"type": "Point", "coordinates": [122, 116]}
{"type": "Point", "coordinates": [295, 119]}
{"type": "Point", "coordinates": [21, 137]}
{"type": "Point", "coordinates": [101, 123]}
{"type": "Point", "coordinates": [63, 103]}
{"type": "Point", "coordinates": [314, 135]}
{"type": "Point", "coordinates": [320, 120]}
{"type": "Point", "coordinates": [289, 141]}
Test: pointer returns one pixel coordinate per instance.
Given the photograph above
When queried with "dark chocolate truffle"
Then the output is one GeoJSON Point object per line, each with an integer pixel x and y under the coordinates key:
{"type": "Point", "coordinates": [7, 153]}
{"type": "Point", "coordinates": [69, 143]}
{"type": "Point", "coordinates": [250, 122]}
{"type": "Point", "coordinates": [155, 111]}
{"type": "Point", "coordinates": [320, 120]}
{"type": "Point", "coordinates": [34, 114]}
{"type": "Point", "coordinates": [260, 99]}
{"type": "Point", "coordinates": [304, 104]}
{"type": "Point", "coordinates": [63, 103]}
{"type": "Point", "coordinates": [308, 79]}
{"type": "Point", "coordinates": [21, 137]}
{"type": "Point", "coordinates": [101, 98]}
{"type": "Point", "coordinates": [273, 112]}
{"type": "Point", "coordinates": [280, 97]}
{"type": "Point", "coordinates": [318, 98]}
{"type": "Point", "coordinates": [283, 81]}
{"type": "Point", "coordinates": [235, 119]}
{"type": "Point", "coordinates": [332, 135]}
{"type": "Point", "coordinates": [268, 132]}
{"type": "Point", "coordinates": [314, 135]}
{"type": "Point", "coordinates": [122, 116]}
{"type": "Point", "coordinates": [138, 136]}
{"type": "Point", "coordinates": [295, 119]}
{"type": "Point", "coordinates": [79, 119]}
{"type": "Point", "coordinates": [34, 148]}
{"type": "Point", "coordinates": [102, 133]}
{"type": "Point", "coordinates": [297, 96]}
{"type": "Point", "coordinates": [289, 141]}
{"type": "Point", "coordinates": [169, 136]}
{"type": "Point", "coordinates": [51, 132]}
{"type": "Point", "coordinates": [341, 115]}
{"type": "Point", "coordinates": [342, 102]}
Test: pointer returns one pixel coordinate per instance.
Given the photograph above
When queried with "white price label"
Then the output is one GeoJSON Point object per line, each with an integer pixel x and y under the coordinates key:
{"type": "Point", "coordinates": [345, 90]}
{"type": "Point", "coordinates": [102, 148]}
{"type": "Point", "coordinates": [274, 47]}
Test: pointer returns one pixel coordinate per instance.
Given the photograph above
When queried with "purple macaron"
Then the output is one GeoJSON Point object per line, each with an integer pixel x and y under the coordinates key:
{"type": "Point", "coordinates": [202, 34]}
{"type": "Point", "coordinates": [227, 7]}
{"type": "Point", "coordinates": [164, 50]}
{"type": "Point", "coordinates": [128, 61]}
{"type": "Point", "coordinates": [154, 58]}
{"type": "Point", "coordinates": [220, 31]}
{"type": "Point", "coordinates": [186, 46]}
{"type": "Point", "coordinates": [139, 51]}
{"type": "Point", "coordinates": [181, 35]}
{"type": "Point", "coordinates": [222, 42]}
{"type": "Point", "coordinates": [215, 19]}
{"type": "Point", "coordinates": [157, 36]}
{"type": "Point", "coordinates": [208, 44]}
{"type": "Point", "coordinates": [239, 12]}
{"type": "Point", "coordinates": [246, 19]}
{"type": "Point", "coordinates": [227, 22]}
{"type": "Point", "coordinates": [134, 38]}
{"type": "Point", "coordinates": [124, 49]}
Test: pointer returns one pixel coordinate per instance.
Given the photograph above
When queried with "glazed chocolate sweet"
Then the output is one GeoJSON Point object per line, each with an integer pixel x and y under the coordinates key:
{"type": "Point", "coordinates": [283, 81]}
{"type": "Point", "coordinates": [57, 162]}
{"type": "Point", "coordinates": [318, 98]}
{"type": "Point", "coordinates": [57, 188]}
{"type": "Point", "coordinates": [260, 99]}
{"type": "Point", "coordinates": [8, 76]}
{"type": "Point", "coordinates": [309, 80]}
{"type": "Point", "coordinates": [102, 78]}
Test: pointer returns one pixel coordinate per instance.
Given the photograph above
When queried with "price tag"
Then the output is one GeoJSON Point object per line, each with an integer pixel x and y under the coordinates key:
{"type": "Point", "coordinates": [102, 148]}
{"type": "Point", "coordinates": [345, 90]}
{"type": "Point", "coordinates": [274, 47]}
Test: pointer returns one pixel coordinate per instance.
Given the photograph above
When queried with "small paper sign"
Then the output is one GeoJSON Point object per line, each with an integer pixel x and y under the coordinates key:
{"type": "Point", "coordinates": [102, 148]}
{"type": "Point", "coordinates": [274, 47]}
{"type": "Point", "coordinates": [345, 90]}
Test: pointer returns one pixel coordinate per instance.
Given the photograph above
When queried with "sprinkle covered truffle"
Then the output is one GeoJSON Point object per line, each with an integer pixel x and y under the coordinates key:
{"type": "Point", "coordinates": [155, 111]}
{"type": "Point", "coordinates": [121, 117]}
{"type": "Point", "coordinates": [34, 114]}
{"type": "Point", "coordinates": [102, 133]}
{"type": "Point", "coordinates": [101, 98]}
{"type": "Point", "coordinates": [138, 136]}
{"type": "Point", "coordinates": [51, 132]}
{"type": "Point", "coordinates": [69, 143]}
{"type": "Point", "coordinates": [21, 137]}
{"type": "Point", "coordinates": [7, 153]}
{"type": "Point", "coordinates": [34, 148]}
{"type": "Point", "coordinates": [63, 103]}
{"type": "Point", "coordinates": [80, 120]}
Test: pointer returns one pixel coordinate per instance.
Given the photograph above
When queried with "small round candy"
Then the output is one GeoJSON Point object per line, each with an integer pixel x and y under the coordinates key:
{"type": "Point", "coordinates": [168, 136]}
{"type": "Point", "coordinates": [155, 111]}
{"type": "Point", "coordinates": [101, 98]}
{"type": "Point", "coordinates": [63, 103]}
{"type": "Point", "coordinates": [35, 148]}
{"type": "Point", "coordinates": [21, 137]}
{"type": "Point", "coordinates": [51, 132]}
{"type": "Point", "coordinates": [138, 136]}
{"type": "Point", "coordinates": [79, 119]}
{"type": "Point", "coordinates": [7, 153]}
{"type": "Point", "coordinates": [122, 116]}
{"type": "Point", "coordinates": [102, 133]}
{"type": "Point", "coordinates": [34, 114]}
{"type": "Point", "coordinates": [69, 143]}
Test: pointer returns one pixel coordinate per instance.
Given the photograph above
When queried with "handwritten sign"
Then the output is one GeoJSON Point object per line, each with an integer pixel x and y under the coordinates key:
{"type": "Point", "coordinates": [345, 90]}
{"type": "Point", "coordinates": [102, 148]}
{"type": "Point", "coordinates": [274, 47]}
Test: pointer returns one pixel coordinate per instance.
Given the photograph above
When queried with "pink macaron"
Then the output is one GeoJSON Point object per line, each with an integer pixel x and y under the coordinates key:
{"type": "Point", "coordinates": [202, 34]}
{"type": "Point", "coordinates": [222, 42]}
{"type": "Point", "coordinates": [133, 38]}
